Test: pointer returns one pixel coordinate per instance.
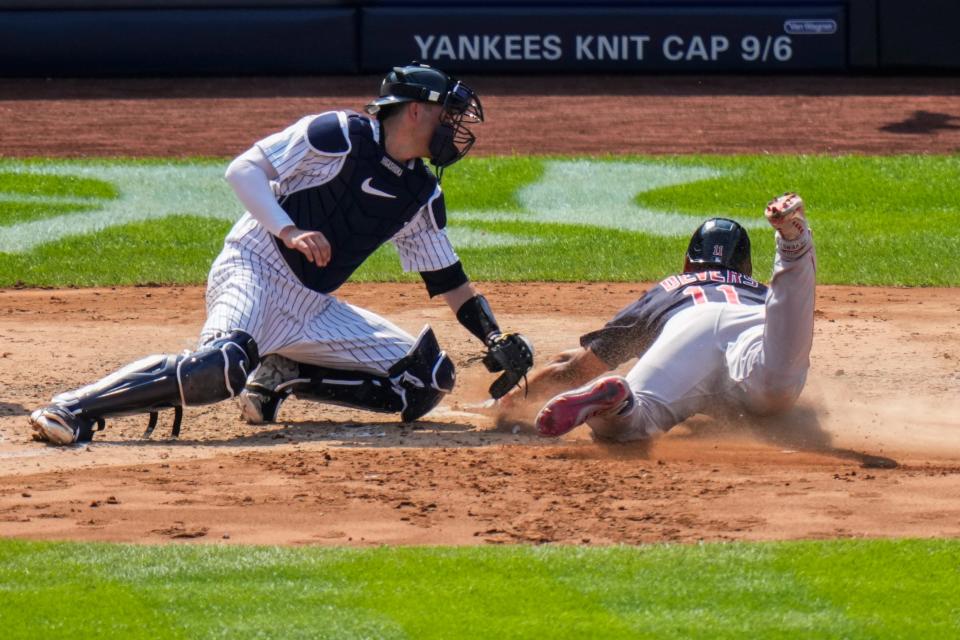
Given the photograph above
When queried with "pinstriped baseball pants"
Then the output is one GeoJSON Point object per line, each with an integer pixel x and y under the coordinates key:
{"type": "Point", "coordinates": [262, 297]}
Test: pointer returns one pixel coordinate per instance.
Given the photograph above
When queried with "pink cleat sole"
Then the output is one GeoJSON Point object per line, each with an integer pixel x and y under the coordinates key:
{"type": "Point", "coordinates": [572, 408]}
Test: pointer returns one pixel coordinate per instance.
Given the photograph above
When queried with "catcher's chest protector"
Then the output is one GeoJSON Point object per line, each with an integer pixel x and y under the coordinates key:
{"type": "Point", "coordinates": [363, 206]}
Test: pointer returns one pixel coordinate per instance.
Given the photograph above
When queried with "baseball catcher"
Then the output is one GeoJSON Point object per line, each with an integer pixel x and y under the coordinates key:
{"type": "Point", "coordinates": [709, 340]}
{"type": "Point", "coordinates": [321, 196]}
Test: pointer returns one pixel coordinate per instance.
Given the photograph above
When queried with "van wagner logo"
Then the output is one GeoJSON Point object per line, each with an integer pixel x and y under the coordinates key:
{"type": "Point", "coordinates": [800, 27]}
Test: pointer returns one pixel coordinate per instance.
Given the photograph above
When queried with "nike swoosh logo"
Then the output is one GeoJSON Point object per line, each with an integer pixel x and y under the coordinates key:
{"type": "Point", "coordinates": [366, 187]}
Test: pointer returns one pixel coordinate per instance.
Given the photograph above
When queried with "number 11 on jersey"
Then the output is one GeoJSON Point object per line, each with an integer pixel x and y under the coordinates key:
{"type": "Point", "coordinates": [700, 297]}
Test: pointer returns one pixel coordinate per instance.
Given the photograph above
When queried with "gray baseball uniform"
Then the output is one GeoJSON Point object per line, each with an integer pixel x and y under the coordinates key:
{"type": "Point", "coordinates": [709, 342]}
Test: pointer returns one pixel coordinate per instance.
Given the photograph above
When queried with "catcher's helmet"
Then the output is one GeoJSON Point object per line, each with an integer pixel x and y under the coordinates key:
{"type": "Point", "coordinates": [414, 82]}
{"type": "Point", "coordinates": [719, 242]}
{"type": "Point", "coordinates": [461, 105]}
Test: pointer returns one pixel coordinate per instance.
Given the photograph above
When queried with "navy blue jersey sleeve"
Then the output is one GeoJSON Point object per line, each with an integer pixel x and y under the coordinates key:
{"type": "Point", "coordinates": [626, 336]}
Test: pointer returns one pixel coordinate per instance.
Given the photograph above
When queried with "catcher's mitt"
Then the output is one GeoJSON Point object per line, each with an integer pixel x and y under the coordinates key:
{"type": "Point", "coordinates": [512, 354]}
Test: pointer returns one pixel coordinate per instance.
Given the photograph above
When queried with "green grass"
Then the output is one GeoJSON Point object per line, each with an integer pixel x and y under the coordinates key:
{"type": "Point", "coordinates": [877, 220]}
{"type": "Point", "coordinates": [490, 183]}
{"type": "Point", "coordinates": [838, 589]}
{"type": "Point", "coordinates": [178, 249]}
{"type": "Point", "coordinates": [38, 184]}
{"type": "Point", "coordinates": [13, 212]}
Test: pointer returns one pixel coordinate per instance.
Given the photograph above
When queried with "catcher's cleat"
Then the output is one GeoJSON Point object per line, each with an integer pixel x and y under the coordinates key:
{"type": "Point", "coordinates": [259, 406]}
{"type": "Point", "coordinates": [261, 398]}
{"type": "Point", "coordinates": [786, 214]}
{"type": "Point", "coordinates": [609, 395]}
{"type": "Point", "coordinates": [57, 425]}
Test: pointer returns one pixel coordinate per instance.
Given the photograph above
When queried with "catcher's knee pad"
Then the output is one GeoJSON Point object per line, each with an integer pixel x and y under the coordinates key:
{"type": "Point", "coordinates": [413, 386]}
{"type": "Point", "coordinates": [218, 370]}
{"type": "Point", "coordinates": [423, 376]}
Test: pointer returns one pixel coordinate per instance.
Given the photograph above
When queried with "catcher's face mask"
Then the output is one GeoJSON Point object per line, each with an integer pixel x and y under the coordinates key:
{"type": "Point", "coordinates": [452, 139]}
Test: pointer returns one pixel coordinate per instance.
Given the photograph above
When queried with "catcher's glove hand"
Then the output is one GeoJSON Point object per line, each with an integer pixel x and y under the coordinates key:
{"type": "Point", "coordinates": [512, 354]}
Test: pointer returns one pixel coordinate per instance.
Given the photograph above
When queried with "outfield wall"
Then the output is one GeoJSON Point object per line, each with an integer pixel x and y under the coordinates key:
{"type": "Point", "coordinates": [293, 37]}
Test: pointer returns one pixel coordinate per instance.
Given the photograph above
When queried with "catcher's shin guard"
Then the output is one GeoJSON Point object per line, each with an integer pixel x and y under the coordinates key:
{"type": "Point", "coordinates": [423, 376]}
{"type": "Point", "coordinates": [413, 386]}
{"type": "Point", "coordinates": [215, 372]}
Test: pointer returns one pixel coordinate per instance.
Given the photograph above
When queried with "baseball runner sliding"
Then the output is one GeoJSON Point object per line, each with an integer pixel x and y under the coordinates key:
{"type": "Point", "coordinates": [322, 196]}
{"type": "Point", "coordinates": [709, 340]}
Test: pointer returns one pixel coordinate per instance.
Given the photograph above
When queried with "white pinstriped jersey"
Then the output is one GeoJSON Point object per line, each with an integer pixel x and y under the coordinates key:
{"type": "Point", "coordinates": [253, 287]}
{"type": "Point", "coordinates": [422, 245]}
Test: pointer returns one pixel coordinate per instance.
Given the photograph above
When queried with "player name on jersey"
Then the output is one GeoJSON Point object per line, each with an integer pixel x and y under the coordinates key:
{"type": "Point", "coordinates": [719, 277]}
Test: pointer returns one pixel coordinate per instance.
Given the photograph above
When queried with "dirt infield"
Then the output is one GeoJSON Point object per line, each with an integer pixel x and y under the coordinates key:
{"type": "Point", "coordinates": [588, 114]}
{"type": "Point", "coordinates": [885, 377]}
